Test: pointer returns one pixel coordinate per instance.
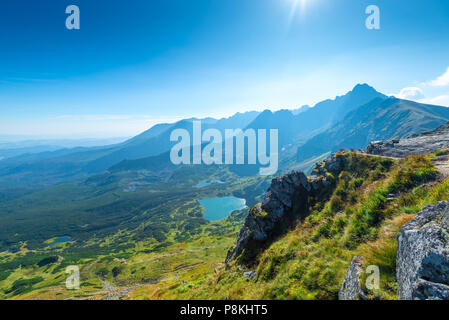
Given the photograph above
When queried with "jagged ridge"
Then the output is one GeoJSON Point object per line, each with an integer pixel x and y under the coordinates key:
{"type": "Point", "coordinates": [287, 200]}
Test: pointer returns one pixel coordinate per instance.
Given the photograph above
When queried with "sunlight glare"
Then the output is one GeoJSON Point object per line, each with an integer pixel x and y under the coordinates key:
{"type": "Point", "coordinates": [295, 6]}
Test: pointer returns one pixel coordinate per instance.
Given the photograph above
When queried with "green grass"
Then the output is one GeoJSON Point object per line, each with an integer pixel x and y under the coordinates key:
{"type": "Point", "coordinates": [442, 152]}
{"type": "Point", "coordinates": [311, 261]}
{"type": "Point", "coordinates": [108, 225]}
{"type": "Point", "coordinates": [358, 217]}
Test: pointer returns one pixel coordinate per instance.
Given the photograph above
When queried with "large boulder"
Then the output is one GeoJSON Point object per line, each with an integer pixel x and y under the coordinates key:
{"type": "Point", "coordinates": [287, 196]}
{"type": "Point", "coordinates": [285, 202]}
{"type": "Point", "coordinates": [423, 255]}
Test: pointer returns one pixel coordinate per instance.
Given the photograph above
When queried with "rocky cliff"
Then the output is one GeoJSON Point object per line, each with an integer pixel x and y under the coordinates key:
{"type": "Point", "coordinates": [286, 201]}
{"type": "Point", "coordinates": [431, 141]}
{"type": "Point", "coordinates": [423, 255]}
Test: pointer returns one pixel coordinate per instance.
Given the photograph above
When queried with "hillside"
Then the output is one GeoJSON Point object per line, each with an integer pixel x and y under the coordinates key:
{"type": "Point", "coordinates": [300, 242]}
{"type": "Point", "coordinates": [367, 201]}
{"type": "Point", "coordinates": [378, 120]}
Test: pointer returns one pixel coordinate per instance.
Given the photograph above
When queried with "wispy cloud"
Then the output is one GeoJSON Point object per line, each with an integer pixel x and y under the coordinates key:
{"type": "Point", "coordinates": [441, 81]}
{"type": "Point", "coordinates": [442, 100]}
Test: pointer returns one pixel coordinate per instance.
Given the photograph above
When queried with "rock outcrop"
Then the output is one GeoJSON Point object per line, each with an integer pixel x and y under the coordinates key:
{"type": "Point", "coordinates": [423, 255]}
{"type": "Point", "coordinates": [351, 288]}
{"type": "Point", "coordinates": [250, 274]}
{"type": "Point", "coordinates": [431, 141]}
{"type": "Point", "coordinates": [286, 201]}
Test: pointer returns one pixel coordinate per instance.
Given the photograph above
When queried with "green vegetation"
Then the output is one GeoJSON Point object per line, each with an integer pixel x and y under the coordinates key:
{"type": "Point", "coordinates": [442, 152]}
{"type": "Point", "coordinates": [370, 200]}
{"type": "Point", "coordinates": [178, 255]}
{"type": "Point", "coordinates": [107, 223]}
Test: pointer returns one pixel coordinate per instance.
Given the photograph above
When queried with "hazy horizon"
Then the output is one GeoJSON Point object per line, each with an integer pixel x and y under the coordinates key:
{"type": "Point", "coordinates": [131, 67]}
{"type": "Point", "coordinates": [80, 136]}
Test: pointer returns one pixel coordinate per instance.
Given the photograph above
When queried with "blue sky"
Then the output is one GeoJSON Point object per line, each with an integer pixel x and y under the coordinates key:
{"type": "Point", "coordinates": [131, 66]}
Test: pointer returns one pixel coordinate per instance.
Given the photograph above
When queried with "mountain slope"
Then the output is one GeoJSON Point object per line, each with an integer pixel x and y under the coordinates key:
{"type": "Point", "coordinates": [50, 168]}
{"type": "Point", "coordinates": [66, 165]}
{"type": "Point", "coordinates": [378, 120]}
{"type": "Point", "coordinates": [356, 208]}
{"type": "Point", "coordinates": [298, 128]}
{"type": "Point", "coordinates": [157, 140]}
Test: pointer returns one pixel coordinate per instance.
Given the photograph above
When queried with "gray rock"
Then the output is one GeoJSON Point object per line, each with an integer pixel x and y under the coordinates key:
{"type": "Point", "coordinates": [286, 200]}
{"type": "Point", "coordinates": [332, 164]}
{"type": "Point", "coordinates": [426, 290]}
{"type": "Point", "coordinates": [287, 195]}
{"type": "Point", "coordinates": [250, 274]}
{"type": "Point", "coordinates": [351, 288]}
{"type": "Point", "coordinates": [423, 257]}
{"type": "Point", "coordinates": [431, 141]}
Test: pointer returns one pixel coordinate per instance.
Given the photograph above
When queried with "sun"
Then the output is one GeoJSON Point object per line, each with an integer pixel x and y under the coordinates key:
{"type": "Point", "coordinates": [297, 5]}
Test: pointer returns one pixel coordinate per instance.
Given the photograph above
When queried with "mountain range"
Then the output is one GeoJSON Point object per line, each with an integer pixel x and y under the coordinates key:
{"type": "Point", "coordinates": [125, 201]}
{"type": "Point", "coordinates": [380, 119]}
{"type": "Point", "coordinates": [348, 121]}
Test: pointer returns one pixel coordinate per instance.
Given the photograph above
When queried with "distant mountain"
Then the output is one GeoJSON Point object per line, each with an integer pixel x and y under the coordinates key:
{"type": "Point", "coordinates": [157, 140]}
{"type": "Point", "coordinates": [65, 165]}
{"type": "Point", "coordinates": [282, 120]}
{"type": "Point", "coordinates": [14, 152]}
{"type": "Point", "coordinates": [300, 110]}
{"type": "Point", "coordinates": [348, 121]}
{"type": "Point", "coordinates": [380, 119]}
{"type": "Point", "coordinates": [15, 148]}
{"type": "Point", "coordinates": [291, 126]}
{"type": "Point", "coordinates": [297, 128]}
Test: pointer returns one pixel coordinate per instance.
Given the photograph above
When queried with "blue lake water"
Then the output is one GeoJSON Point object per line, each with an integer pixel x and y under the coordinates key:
{"type": "Point", "coordinates": [203, 184]}
{"type": "Point", "coordinates": [61, 240]}
{"type": "Point", "coordinates": [219, 208]}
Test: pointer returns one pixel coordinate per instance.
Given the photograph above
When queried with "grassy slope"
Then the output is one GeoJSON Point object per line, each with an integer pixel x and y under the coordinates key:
{"type": "Point", "coordinates": [371, 200]}
{"type": "Point", "coordinates": [309, 262]}
{"type": "Point", "coordinates": [119, 225]}
{"type": "Point", "coordinates": [147, 261]}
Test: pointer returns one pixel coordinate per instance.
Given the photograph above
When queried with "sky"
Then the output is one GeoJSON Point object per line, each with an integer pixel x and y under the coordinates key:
{"type": "Point", "coordinates": [133, 64]}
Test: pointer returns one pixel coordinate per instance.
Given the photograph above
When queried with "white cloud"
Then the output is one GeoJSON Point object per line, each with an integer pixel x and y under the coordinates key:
{"type": "Point", "coordinates": [435, 91]}
{"type": "Point", "coordinates": [411, 93]}
{"type": "Point", "coordinates": [442, 100]}
{"type": "Point", "coordinates": [441, 81]}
